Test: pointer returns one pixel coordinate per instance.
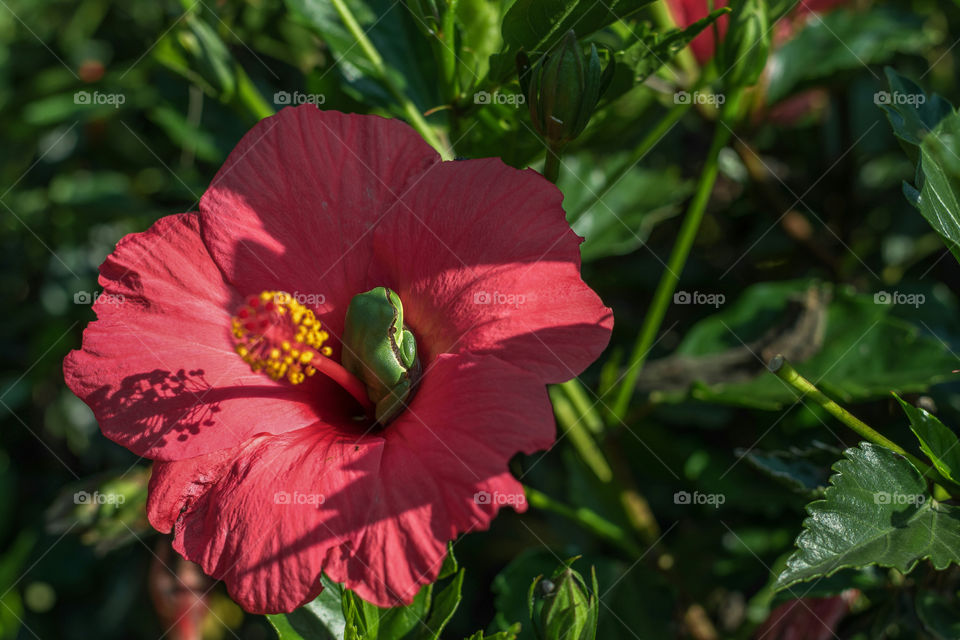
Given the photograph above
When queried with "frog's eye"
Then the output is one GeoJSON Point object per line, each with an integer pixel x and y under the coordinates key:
{"type": "Point", "coordinates": [408, 349]}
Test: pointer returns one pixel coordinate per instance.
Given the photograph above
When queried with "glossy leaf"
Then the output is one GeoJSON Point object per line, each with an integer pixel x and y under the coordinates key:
{"type": "Point", "coordinates": [915, 114]}
{"type": "Point", "coordinates": [939, 200]}
{"type": "Point", "coordinates": [876, 511]}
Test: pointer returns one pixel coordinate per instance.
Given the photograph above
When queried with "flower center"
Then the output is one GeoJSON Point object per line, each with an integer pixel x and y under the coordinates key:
{"type": "Point", "coordinates": [279, 336]}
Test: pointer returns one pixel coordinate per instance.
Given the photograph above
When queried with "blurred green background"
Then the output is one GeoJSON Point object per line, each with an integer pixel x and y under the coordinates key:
{"type": "Point", "coordinates": [113, 114]}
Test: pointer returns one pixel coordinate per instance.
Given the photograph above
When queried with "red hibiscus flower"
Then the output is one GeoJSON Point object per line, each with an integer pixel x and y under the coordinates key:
{"type": "Point", "coordinates": [686, 12]}
{"type": "Point", "coordinates": [268, 480]}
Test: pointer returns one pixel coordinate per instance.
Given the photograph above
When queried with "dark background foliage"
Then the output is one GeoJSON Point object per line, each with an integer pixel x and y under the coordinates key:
{"type": "Point", "coordinates": [811, 203]}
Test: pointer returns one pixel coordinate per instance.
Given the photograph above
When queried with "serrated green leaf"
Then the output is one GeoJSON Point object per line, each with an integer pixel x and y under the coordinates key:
{"type": "Point", "coordinates": [938, 442]}
{"type": "Point", "coordinates": [876, 511]}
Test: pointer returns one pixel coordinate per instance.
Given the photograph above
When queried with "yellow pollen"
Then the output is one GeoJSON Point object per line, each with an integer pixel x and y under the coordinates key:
{"type": "Point", "coordinates": [277, 335]}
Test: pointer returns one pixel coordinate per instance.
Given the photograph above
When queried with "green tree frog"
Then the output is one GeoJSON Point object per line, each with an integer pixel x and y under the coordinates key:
{"type": "Point", "coordinates": [380, 350]}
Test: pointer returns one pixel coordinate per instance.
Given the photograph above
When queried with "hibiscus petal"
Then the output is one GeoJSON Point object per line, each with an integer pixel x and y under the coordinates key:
{"type": "Point", "coordinates": [295, 202]}
{"type": "Point", "coordinates": [158, 366]}
{"type": "Point", "coordinates": [391, 499]}
{"type": "Point", "coordinates": [484, 261]}
{"type": "Point", "coordinates": [444, 472]}
{"type": "Point", "coordinates": [264, 519]}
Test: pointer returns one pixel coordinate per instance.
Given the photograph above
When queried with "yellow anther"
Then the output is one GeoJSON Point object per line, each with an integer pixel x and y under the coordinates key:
{"type": "Point", "coordinates": [279, 336]}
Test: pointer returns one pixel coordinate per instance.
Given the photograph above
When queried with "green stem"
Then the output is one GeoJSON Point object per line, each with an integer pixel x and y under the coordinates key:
{"type": "Point", "coordinates": [551, 166]}
{"type": "Point", "coordinates": [783, 370]}
{"type": "Point", "coordinates": [410, 111]}
{"type": "Point", "coordinates": [448, 52]}
{"type": "Point", "coordinates": [678, 258]}
{"type": "Point", "coordinates": [572, 425]}
{"type": "Point", "coordinates": [586, 518]}
{"type": "Point", "coordinates": [586, 408]}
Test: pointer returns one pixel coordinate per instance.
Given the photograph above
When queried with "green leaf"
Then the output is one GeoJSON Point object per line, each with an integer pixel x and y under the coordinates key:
{"type": "Point", "coordinates": [803, 470]}
{"type": "Point", "coordinates": [939, 200]}
{"type": "Point", "coordinates": [479, 22]}
{"type": "Point", "coordinates": [510, 634]}
{"type": "Point", "coordinates": [912, 119]}
{"type": "Point", "coordinates": [746, 46]}
{"type": "Point", "coordinates": [321, 619]}
{"type": "Point", "coordinates": [843, 40]}
{"type": "Point", "coordinates": [389, 26]}
{"type": "Point", "coordinates": [847, 343]}
{"type": "Point", "coordinates": [938, 442]}
{"type": "Point", "coordinates": [876, 511]}
{"type": "Point", "coordinates": [450, 565]}
{"type": "Point", "coordinates": [652, 50]}
{"type": "Point", "coordinates": [396, 622]}
{"type": "Point", "coordinates": [444, 606]}
{"type": "Point", "coordinates": [534, 26]}
{"type": "Point", "coordinates": [194, 50]}
{"type": "Point", "coordinates": [938, 615]}
{"type": "Point", "coordinates": [617, 218]}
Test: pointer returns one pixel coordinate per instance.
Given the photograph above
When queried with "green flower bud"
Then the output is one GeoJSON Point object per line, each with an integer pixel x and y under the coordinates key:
{"type": "Point", "coordinates": [561, 91]}
{"type": "Point", "coordinates": [567, 609]}
{"type": "Point", "coordinates": [380, 350]}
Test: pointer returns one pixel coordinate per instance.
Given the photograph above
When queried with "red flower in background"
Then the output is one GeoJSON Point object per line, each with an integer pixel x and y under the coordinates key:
{"type": "Point", "coordinates": [265, 483]}
{"type": "Point", "coordinates": [807, 618]}
{"type": "Point", "coordinates": [686, 12]}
